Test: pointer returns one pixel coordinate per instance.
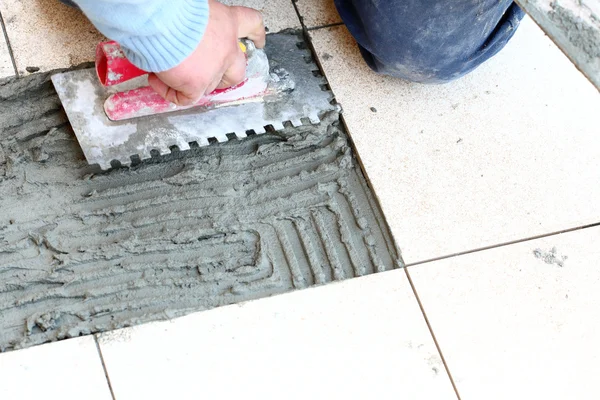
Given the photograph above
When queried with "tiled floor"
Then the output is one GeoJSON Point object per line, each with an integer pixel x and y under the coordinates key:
{"type": "Point", "coordinates": [506, 153]}
{"type": "Point", "coordinates": [277, 14]}
{"type": "Point", "coordinates": [67, 370]}
{"type": "Point", "coordinates": [509, 153]}
{"type": "Point", "coordinates": [521, 321]}
{"type": "Point", "coordinates": [6, 67]}
{"type": "Point", "coordinates": [360, 338]}
{"type": "Point", "coordinates": [45, 34]}
{"type": "Point", "coordinates": [316, 13]}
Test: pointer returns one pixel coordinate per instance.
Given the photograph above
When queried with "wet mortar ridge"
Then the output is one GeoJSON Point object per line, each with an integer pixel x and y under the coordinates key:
{"type": "Point", "coordinates": [85, 251]}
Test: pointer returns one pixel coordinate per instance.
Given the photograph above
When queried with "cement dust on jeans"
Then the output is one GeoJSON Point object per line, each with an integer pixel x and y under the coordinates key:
{"type": "Point", "coordinates": [84, 252]}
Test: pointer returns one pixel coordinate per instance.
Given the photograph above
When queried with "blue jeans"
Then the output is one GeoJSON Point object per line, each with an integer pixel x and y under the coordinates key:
{"type": "Point", "coordinates": [429, 41]}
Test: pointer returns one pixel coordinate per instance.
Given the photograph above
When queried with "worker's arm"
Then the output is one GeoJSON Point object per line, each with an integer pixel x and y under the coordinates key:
{"type": "Point", "coordinates": [191, 46]}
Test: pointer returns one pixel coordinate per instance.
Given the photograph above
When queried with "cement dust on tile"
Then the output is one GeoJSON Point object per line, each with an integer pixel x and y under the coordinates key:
{"type": "Point", "coordinates": [278, 14]}
{"type": "Point", "coordinates": [67, 370]}
{"type": "Point", "coordinates": [507, 152]}
{"type": "Point", "coordinates": [512, 325]}
{"type": "Point", "coordinates": [318, 12]}
{"type": "Point", "coordinates": [357, 339]}
{"type": "Point", "coordinates": [6, 67]}
{"type": "Point", "coordinates": [45, 34]}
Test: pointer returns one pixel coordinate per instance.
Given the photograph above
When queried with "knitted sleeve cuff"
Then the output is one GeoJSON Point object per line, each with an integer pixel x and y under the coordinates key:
{"type": "Point", "coordinates": [180, 30]}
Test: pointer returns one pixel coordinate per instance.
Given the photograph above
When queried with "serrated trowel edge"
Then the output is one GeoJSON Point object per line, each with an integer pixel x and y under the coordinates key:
{"type": "Point", "coordinates": [109, 143]}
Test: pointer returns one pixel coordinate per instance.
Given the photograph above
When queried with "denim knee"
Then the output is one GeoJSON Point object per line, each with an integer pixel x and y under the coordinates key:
{"type": "Point", "coordinates": [429, 41]}
{"type": "Point", "coordinates": [69, 3]}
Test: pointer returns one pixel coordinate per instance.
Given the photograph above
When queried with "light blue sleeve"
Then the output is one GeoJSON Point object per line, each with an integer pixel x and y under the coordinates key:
{"type": "Point", "coordinates": [156, 35]}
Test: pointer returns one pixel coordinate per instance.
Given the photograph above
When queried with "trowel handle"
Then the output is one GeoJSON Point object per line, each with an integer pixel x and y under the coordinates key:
{"type": "Point", "coordinates": [112, 66]}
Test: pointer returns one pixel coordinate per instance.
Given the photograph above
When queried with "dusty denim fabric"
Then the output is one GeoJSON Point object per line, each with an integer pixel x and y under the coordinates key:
{"type": "Point", "coordinates": [429, 41]}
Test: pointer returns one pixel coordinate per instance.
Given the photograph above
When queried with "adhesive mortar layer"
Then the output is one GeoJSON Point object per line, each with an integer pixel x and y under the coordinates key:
{"type": "Point", "coordinates": [84, 251]}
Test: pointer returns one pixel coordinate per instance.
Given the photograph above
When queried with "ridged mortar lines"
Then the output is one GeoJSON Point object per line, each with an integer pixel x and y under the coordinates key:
{"type": "Point", "coordinates": [84, 251]}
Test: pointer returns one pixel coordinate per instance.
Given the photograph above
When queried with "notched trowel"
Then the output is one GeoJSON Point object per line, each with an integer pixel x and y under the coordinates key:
{"type": "Point", "coordinates": [116, 116]}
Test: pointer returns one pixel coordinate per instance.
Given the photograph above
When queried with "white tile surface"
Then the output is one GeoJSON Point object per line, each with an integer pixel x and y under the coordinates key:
{"type": "Point", "coordinates": [318, 12]}
{"type": "Point", "coordinates": [509, 152]}
{"type": "Point", "coordinates": [46, 34]}
{"type": "Point", "coordinates": [277, 14]}
{"type": "Point", "coordinates": [6, 67]}
{"type": "Point", "coordinates": [512, 326]}
{"type": "Point", "coordinates": [357, 339]}
{"type": "Point", "coordinates": [66, 370]}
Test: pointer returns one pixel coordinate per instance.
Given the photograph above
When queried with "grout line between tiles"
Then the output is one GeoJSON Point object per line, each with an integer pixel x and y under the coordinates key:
{"type": "Point", "coordinates": [314, 28]}
{"type": "Point", "coordinates": [544, 235]}
{"type": "Point", "coordinates": [7, 40]}
{"type": "Point", "coordinates": [437, 345]}
{"type": "Point", "coordinates": [363, 170]}
{"type": "Point", "coordinates": [308, 38]}
{"type": "Point", "coordinates": [300, 17]}
{"type": "Point", "coordinates": [112, 393]}
{"type": "Point", "coordinates": [378, 201]}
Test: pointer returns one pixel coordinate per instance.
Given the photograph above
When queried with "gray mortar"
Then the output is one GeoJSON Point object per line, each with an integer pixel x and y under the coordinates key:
{"type": "Point", "coordinates": [574, 27]}
{"type": "Point", "coordinates": [580, 34]}
{"type": "Point", "coordinates": [82, 251]}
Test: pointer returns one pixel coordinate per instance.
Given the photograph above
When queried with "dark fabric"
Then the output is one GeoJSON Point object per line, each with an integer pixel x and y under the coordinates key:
{"type": "Point", "coordinates": [70, 3]}
{"type": "Point", "coordinates": [429, 41]}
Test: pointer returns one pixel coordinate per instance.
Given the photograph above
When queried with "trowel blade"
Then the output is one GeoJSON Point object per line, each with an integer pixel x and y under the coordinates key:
{"type": "Point", "coordinates": [295, 92]}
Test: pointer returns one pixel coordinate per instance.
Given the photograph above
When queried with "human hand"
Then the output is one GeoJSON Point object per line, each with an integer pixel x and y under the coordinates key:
{"type": "Point", "coordinates": [218, 61]}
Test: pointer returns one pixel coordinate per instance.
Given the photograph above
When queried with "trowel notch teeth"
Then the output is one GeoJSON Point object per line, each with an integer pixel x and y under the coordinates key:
{"type": "Point", "coordinates": [202, 142]}
{"type": "Point", "coordinates": [114, 163]}
{"type": "Point", "coordinates": [144, 155]}
{"type": "Point", "coordinates": [278, 126]}
{"type": "Point", "coordinates": [154, 152]}
{"type": "Point", "coordinates": [174, 147]}
{"type": "Point", "coordinates": [104, 165]}
{"type": "Point", "coordinates": [300, 107]}
{"type": "Point", "coordinates": [135, 159]}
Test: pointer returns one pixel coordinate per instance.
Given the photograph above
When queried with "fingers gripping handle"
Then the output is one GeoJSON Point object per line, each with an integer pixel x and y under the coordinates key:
{"type": "Point", "coordinates": [113, 67]}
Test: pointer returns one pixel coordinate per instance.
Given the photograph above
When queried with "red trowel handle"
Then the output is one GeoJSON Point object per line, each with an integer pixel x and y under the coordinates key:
{"type": "Point", "coordinates": [112, 66]}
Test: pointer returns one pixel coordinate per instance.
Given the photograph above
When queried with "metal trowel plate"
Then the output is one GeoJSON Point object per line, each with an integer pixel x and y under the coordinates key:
{"type": "Point", "coordinates": [103, 141]}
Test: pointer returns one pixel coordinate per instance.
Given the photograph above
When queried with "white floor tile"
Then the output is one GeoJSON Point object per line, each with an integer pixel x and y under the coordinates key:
{"type": "Point", "coordinates": [510, 151]}
{"type": "Point", "coordinates": [6, 67]}
{"type": "Point", "coordinates": [357, 339]}
{"type": "Point", "coordinates": [318, 12]}
{"type": "Point", "coordinates": [66, 370]}
{"type": "Point", "coordinates": [515, 324]}
{"type": "Point", "coordinates": [45, 34]}
{"type": "Point", "coordinates": [277, 14]}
